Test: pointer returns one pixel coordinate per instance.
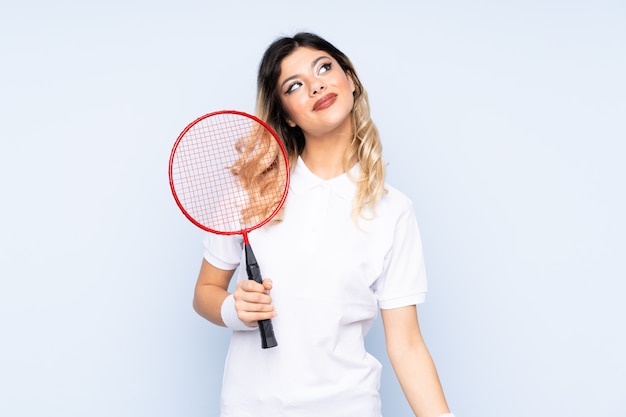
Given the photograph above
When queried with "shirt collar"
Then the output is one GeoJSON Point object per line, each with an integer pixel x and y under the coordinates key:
{"type": "Point", "coordinates": [303, 180]}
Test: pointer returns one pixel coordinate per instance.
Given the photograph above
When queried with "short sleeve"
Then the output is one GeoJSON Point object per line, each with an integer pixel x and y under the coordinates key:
{"type": "Point", "coordinates": [403, 280]}
{"type": "Point", "coordinates": [223, 251]}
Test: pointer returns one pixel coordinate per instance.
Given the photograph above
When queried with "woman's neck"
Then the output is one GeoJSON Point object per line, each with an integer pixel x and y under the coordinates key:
{"type": "Point", "coordinates": [324, 150]}
{"type": "Point", "coordinates": [325, 157]}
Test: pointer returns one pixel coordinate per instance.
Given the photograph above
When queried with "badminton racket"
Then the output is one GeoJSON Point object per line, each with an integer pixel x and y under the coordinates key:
{"type": "Point", "coordinates": [229, 174]}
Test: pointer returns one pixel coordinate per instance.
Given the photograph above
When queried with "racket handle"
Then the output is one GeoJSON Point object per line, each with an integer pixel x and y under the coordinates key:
{"type": "Point", "coordinates": [268, 340]}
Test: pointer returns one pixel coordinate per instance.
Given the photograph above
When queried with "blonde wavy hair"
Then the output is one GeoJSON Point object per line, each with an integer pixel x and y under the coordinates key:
{"type": "Point", "coordinates": [365, 146]}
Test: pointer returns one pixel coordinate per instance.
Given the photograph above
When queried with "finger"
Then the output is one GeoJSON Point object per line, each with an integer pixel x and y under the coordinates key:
{"type": "Point", "coordinates": [250, 286]}
{"type": "Point", "coordinates": [251, 319]}
{"type": "Point", "coordinates": [244, 306]}
{"type": "Point", "coordinates": [268, 284]}
{"type": "Point", "coordinates": [249, 312]}
{"type": "Point", "coordinates": [255, 297]}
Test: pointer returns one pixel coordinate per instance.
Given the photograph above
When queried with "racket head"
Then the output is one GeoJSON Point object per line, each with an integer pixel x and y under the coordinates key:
{"type": "Point", "coordinates": [229, 172]}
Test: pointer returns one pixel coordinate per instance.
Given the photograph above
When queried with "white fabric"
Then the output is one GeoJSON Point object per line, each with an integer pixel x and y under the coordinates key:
{"type": "Point", "coordinates": [329, 279]}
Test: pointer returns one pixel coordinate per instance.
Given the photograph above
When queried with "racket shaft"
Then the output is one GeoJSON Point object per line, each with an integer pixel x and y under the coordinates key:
{"type": "Point", "coordinates": [268, 340]}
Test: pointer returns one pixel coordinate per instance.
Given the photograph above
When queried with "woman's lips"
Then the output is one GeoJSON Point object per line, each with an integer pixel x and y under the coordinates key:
{"type": "Point", "coordinates": [325, 102]}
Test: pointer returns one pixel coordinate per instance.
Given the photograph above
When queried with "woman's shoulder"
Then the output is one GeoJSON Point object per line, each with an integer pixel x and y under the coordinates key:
{"type": "Point", "coordinates": [394, 198]}
{"type": "Point", "coordinates": [391, 206]}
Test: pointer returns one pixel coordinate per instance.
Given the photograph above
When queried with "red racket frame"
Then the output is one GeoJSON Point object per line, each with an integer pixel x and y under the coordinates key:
{"type": "Point", "coordinates": [244, 231]}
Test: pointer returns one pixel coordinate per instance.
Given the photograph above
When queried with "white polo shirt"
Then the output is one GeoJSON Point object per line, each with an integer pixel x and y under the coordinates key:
{"type": "Point", "coordinates": [329, 279]}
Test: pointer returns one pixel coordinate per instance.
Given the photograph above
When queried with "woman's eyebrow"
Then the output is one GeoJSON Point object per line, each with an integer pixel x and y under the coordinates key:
{"type": "Point", "coordinates": [293, 77]}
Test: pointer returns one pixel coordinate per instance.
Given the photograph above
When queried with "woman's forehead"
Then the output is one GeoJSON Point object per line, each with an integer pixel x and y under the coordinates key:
{"type": "Point", "coordinates": [301, 59]}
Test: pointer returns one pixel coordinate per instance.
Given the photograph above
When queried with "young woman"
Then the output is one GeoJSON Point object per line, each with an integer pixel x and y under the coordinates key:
{"type": "Point", "coordinates": [345, 246]}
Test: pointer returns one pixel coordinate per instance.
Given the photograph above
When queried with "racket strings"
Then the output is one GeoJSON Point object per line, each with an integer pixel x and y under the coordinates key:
{"type": "Point", "coordinates": [260, 172]}
{"type": "Point", "coordinates": [228, 173]}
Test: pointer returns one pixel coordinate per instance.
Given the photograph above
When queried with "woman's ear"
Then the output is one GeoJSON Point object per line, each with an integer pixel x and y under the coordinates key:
{"type": "Point", "coordinates": [290, 122]}
{"type": "Point", "coordinates": [351, 81]}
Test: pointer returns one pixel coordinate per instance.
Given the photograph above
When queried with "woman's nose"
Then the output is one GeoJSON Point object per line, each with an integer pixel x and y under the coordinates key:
{"type": "Point", "coordinates": [317, 88]}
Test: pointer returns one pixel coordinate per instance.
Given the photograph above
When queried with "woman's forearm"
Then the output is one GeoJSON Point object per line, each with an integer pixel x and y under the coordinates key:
{"type": "Point", "coordinates": [419, 380]}
{"type": "Point", "coordinates": [210, 292]}
{"type": "Point", "coordinates": [412, 362]}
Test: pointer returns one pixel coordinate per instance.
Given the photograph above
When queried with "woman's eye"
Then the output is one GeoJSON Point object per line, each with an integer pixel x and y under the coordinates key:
{"type": "Point", "coordinates": [325, 67]}
{"type": "Point", "coordinates": [293, 87]}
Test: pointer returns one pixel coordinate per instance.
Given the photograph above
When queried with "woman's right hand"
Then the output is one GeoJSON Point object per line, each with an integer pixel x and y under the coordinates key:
{"type": "Point", "coordinates": [253, 301]}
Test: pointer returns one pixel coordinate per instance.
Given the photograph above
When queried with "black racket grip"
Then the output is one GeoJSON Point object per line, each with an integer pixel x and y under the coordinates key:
{"type": "Point", "coordinates": [268, 340]}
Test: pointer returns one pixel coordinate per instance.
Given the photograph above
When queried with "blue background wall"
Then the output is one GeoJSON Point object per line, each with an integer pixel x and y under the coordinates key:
{"type": "Point", "coordinates": [503, 120]}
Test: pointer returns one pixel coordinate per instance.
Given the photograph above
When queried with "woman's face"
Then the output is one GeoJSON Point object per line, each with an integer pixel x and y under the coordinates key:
{"type": "Point", "coordinates": [316, 93]}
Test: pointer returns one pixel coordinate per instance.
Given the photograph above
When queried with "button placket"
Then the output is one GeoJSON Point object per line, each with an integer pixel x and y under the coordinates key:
{"type": "Point", "coordinates": [320, 201]}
